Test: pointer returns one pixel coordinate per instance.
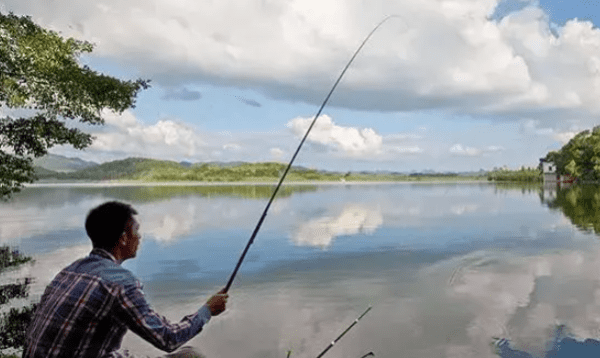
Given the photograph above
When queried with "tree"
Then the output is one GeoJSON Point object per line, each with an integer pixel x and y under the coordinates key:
{"type": "Point", "coordinates": [43, 83]}
{"type": "Point", "coordinates": [41, 75]}
{"type": "Point", "coordinates": [14, 323]}
{"type": "Point", "coordinates": [580, 157]}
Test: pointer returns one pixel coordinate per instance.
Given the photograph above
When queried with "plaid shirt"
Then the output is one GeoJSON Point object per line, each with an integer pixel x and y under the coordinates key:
{"type": "Point", "coordinates": [88, 307]}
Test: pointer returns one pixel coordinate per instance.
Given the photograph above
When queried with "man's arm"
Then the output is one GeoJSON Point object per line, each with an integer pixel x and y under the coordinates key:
{"type": "Point", "coordinates": [156, 329]}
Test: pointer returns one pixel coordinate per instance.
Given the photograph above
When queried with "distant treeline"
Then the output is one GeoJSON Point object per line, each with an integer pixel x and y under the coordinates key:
{"type": "Point", "coordinates": [151, 170]}
{"type": "Point", "coordinates": [526, 175]}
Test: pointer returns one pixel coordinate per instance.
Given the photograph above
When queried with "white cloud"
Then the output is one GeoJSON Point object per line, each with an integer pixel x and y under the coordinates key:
{"type": "Point", "coordinates": [405, 136]}
{"type": "Point", "coordinates": [561, 134]}
{"type": "Point", "coordinates": [436, 54]}
{"type": "Point", "coordinates": [352, 220]}
{"type": "Point", "coordinates": [565, 137]}
{"type": "Point", "coordinates": [349, 140]}
{"type": "Point", "coordinates": [232, 146]}
{"type": "Point", "coordinates": [458, 149]}
{"type": "Point", "coordinates": [165, 139]}
{"type": "Point", "coordinates": [276, 153]}
{"type": "Point", "coordinates": [407, 150]}
{"type": "Point", "coordinates": [451, 57]}
{"type": "Point", "coordinates": [495, 148]}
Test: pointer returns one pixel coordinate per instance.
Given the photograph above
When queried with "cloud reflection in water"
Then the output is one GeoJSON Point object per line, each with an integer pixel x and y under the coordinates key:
{"type": "Point", "coordinates": [353, 219]}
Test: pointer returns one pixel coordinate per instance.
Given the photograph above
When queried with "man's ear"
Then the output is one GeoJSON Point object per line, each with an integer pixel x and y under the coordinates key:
{"type": "Point", "coordinates": [123, 238]}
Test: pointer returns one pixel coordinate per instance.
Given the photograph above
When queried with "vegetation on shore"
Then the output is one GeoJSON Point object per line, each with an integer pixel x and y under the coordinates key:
{"type": "Point", "coordinates": [152, 170]}
{"type": "Point", "coordinates": [580, 157]}
{"type": "Point", "coordinates": [523, 175]}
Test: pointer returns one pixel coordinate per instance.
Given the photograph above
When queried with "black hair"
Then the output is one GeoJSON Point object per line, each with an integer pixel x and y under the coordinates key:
{"type": "Point", "coordinates": [105, 223]}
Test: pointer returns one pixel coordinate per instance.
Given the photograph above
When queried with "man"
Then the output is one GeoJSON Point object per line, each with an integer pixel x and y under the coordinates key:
{"type": "Point", "coordinates": [89, 306]}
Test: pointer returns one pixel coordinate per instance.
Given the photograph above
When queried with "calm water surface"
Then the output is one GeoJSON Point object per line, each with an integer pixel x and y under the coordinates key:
{"type": "Point", "coordinates": [447, 267]}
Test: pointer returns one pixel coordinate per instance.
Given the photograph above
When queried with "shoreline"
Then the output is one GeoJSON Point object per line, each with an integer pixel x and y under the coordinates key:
{"type": "Point", "coordinates": [241, 183]}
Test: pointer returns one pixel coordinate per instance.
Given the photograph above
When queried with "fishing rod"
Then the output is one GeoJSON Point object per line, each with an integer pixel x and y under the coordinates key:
{"type": "Point", "coordinates": [346, 331]}
{"type": "Point", "coordinates": [341, 335]}
{"type": "Point", "coordinates": [287, 169]}
{"type": "Point", "coordinates": [370, 354]}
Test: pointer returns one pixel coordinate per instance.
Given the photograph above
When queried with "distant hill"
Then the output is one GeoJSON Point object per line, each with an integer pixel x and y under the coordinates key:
{"type": "Point", "coordinates": [58, 163]}
{"type": "Point", "coordinates": [128, 168]}
{"type": "Point", "coordinates": [152, 170]}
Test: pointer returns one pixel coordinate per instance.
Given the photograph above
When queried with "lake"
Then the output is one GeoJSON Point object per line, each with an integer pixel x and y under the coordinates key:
{"type": "Point", "coordinates": [448, 268]}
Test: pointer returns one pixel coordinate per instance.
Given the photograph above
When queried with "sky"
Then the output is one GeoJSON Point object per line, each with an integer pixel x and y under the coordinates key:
{"type": "Point", "coordinates": [443, 85]}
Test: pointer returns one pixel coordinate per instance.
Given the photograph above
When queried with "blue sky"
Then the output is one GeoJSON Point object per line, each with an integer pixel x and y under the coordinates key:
{"type": "Point", "coordinates": [450, 85]}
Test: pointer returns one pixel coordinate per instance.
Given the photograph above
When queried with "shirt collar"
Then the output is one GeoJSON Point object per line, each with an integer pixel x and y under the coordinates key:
{"type": "Point", "coordinates": [103, 253]}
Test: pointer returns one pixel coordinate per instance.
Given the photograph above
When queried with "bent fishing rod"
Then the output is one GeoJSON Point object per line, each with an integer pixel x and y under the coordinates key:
{"type": "Point", "coordinates": [287, 169]}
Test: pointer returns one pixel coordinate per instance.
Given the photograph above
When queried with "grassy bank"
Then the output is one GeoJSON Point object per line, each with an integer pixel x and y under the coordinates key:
{"type": "Point", "coordinates": [523, 175]}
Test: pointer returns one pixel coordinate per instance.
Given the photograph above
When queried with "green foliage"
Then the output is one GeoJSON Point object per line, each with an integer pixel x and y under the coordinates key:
{"type": "Point", "coordinates": [13, 327]}
{"type": "Point", "coordinates": [13, 172]}
{"type": "Point", "coordinates": [524, 175]}
{"type": "Point", "coordinates": [14, 323]}
{"type": "Point", "coordinates": [14, 290]}
{"type": "Point", "coordinates": [40, 72]}
{"type": "Point", "coordinates": [580, 157]}
{"type": "Point", "coordinates": [107, 171]}
{"type": "Point", "coordinates": [151, 170]}
{"type": "Point", "coordinates": [10, 258]}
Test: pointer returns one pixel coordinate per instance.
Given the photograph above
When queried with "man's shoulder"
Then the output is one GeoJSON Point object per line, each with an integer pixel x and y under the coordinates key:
{"type": "Point", "coordinates": [104, 269]}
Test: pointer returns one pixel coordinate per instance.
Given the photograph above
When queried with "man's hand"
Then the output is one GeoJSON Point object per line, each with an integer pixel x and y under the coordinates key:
{"type": "Point", "coordinates": [217, 303]}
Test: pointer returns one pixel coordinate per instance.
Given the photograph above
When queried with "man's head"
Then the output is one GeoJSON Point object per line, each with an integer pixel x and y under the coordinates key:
{"type": "Point", "coordinates": [111, 226]}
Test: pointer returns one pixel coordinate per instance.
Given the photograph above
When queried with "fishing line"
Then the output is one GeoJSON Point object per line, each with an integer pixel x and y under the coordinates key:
{"type": "Point", "coordinates": [287, 169]}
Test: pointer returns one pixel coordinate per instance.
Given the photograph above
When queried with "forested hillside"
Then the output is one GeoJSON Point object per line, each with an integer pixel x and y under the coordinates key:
{"type": "Point", "coordinates": [152, 170]}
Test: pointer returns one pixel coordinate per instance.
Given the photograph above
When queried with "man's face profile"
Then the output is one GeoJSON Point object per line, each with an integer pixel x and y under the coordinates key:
{"type": "Point", "coordinates": [131, 238]}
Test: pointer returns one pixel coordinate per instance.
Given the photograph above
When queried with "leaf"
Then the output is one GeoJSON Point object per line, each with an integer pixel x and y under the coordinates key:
{"type": "Point", "coordinates": [40, 70]}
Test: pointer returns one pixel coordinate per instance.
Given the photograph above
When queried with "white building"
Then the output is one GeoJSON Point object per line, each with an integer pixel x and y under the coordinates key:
{"type": "Point", "coordinates": [549, 171]}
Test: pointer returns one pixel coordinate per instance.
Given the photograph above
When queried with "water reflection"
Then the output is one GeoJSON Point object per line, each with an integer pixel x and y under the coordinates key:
{"type": "Point", "coordinates": [579, 203]}
{"type": "Point", "coordinates": [446, 267]}
{"type": "Point", "coordinates": [563, 306]}
{"type": "Point", "coordinates": [560, 346]}
{"type": "Point", "coordinates": [47, 194]}
{"type": "Point", "coordinates": [352, 220]}
{"type": "Point", "coordinates": [38, 215]}
{"type": "Point", "coordinates": [420, 310]}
